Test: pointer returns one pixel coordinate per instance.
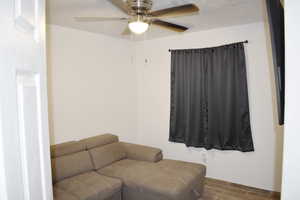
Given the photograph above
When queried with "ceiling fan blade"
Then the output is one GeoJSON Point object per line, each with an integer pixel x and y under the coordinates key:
{"type": "Point", "coordinates": [121, 5]}
{"type": "Point", "coordinates": [126, 31]}
{"type": "Point", "coordinates": [170, 26]}
{"type": "Point", "coordinates": [100, 19]}
{"type": "Point", "coordinates": [187, 9]}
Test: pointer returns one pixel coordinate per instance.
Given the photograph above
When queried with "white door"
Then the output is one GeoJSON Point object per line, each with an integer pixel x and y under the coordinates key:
{"type": "Point", "coordinates": [25, 172]}
{"type": "Point", "coordinates": [291, 154]}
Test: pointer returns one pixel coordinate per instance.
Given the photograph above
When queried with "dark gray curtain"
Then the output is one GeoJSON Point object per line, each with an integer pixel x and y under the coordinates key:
{"type": "Point", "coordinates": [209, 98]}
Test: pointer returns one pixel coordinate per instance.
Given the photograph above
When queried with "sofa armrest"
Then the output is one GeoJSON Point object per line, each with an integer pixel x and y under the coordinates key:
{"type": "Point", "coordinates": [142, 153]}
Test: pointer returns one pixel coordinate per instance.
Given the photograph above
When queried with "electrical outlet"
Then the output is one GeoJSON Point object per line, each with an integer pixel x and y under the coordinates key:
{"type": "Point", "coordinates": [204, 158]}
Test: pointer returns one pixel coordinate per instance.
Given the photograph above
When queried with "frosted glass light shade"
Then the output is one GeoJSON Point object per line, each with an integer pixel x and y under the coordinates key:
{"type": "Point", "coordinates": [138, 27]}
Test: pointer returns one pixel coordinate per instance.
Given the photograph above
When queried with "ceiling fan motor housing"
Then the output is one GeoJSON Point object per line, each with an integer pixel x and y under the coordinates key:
{"type": "Point", "coordinates": [139, 7]}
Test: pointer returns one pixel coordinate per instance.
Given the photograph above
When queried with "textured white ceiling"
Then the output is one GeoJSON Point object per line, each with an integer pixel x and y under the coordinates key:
{"type": "Point", "coordinates": [213, 14]}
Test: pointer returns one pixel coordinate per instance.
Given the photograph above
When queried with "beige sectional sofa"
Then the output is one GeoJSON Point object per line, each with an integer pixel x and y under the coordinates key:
{"type": "Point", "coordinates": [102, 168]}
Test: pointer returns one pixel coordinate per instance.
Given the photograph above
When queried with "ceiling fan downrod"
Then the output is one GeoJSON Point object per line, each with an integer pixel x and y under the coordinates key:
{"type": "Point", "coordinates": [139, 7]}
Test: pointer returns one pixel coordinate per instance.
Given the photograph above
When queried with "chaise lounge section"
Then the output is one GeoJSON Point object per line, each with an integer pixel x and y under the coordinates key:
{"type": "Point", "coordinates": [102, 168]}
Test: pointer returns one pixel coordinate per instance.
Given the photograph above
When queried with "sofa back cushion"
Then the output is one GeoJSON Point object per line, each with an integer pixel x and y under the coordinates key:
{"type": "Point", "coordinates": [99, 141]}
{"type": "Point", "coordinates": [142, 153]}
{"type": "Point", "coordinates": [66, 148]}
{"type": "Point", "coordinates": [106, 155]}
{"type": "Point", "coordinates": [70, 165]}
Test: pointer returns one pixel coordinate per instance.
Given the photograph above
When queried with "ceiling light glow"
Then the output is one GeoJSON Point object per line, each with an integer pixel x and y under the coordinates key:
{"type": "Point", "coordinates": [138, 27]}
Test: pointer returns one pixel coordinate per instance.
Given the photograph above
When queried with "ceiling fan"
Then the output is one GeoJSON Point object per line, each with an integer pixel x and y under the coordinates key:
{"type": "Point", "coordinates": [140, 16]}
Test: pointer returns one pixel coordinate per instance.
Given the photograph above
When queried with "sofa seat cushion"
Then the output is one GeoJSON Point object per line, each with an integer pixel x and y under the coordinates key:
{"type": "Point", "coordinates": [152, 180]}
{"type": "Point", "coordinates": [90, 186]}
{"type": "Point", "coordinates": [60, 194]}
{"type": "Point", "coordinates": [186, 171]}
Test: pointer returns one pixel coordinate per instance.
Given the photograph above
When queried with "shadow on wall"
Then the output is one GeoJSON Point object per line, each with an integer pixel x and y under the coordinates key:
{"type": "Point", "coordinates": [279, 130]}
{"type": "Point", "coordinates": [49, 87]}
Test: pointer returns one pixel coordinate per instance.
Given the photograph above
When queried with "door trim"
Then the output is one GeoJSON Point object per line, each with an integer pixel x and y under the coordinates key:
{"type": "Point", "coordinates": [28, 79]}
{"type": "Point", "coordinates": [3, 194]}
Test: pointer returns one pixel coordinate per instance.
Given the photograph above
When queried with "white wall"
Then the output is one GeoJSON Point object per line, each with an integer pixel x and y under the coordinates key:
{"type": "Point", "coordinates": [258, 169]}
{"type": "Point", "coordinates": [291, 162]}
{"type": "Point", "coordinates": [92, 85]}
{"type": "Point", "coordinates": [101, 84]}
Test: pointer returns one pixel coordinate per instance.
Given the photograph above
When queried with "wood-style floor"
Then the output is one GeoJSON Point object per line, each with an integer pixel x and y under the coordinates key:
{"type": "Point", "coordinates": [220, 190]}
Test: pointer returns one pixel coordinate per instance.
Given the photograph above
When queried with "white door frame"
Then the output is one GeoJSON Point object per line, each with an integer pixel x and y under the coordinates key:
{"type": "Point", "coordinates": [3, 195]}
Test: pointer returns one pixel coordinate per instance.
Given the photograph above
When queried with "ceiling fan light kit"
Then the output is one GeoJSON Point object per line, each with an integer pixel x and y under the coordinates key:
{"type": "Point", "coordinates": [140, 15]}
{"type": "Point", "coordinates": [138, 27]}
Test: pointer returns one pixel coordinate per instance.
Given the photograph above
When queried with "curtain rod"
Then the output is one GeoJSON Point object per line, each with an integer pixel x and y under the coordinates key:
{"type": "Point", "coordinates": [246, 41]}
